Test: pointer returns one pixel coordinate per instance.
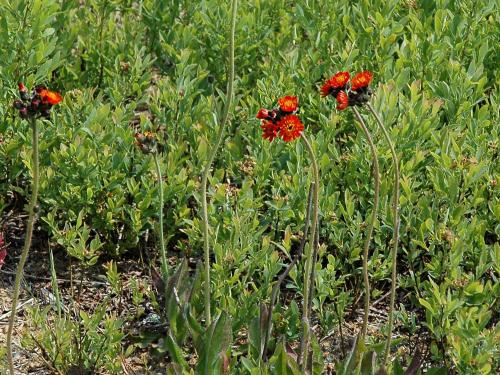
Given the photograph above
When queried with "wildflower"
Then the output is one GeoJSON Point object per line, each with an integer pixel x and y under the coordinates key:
{"type": "Point", "coordinates": [342, 100]}
{"type": "Point", "coordinates": [361, 80]}
{"type": "Point", "coordinates": [50, 97]}
{"type": "Point", "coordinates": [281, 121]}
{"type": "Point", "coordinates": [269, 130]}
{"type": "Point", "coordinates": [146, 142]}
{"type": "Point", "coordinates": [38, 104]}
{"type": "Point", "coordinates": [335, 84]}
{"type": "Point", "coordinates": [290, 128]}
{"type": "Point", "coordinates": [288, 104]}
{"type": "Point", "coordinates": [357, 94]}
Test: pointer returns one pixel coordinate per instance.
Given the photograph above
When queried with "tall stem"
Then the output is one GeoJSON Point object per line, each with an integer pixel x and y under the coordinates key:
{"type": "Point", "coordinates": [395, 239]}
{"type": "Point", "coordinates": [210, 160]}
{"type": "Point", "coordinates": [369, 232]}
{"type": "Point", "coordinates": [308, 264]}
{"type": "Point", "coordinates": [27, 244]}
{"type": "Point", "coordinates": [276, 287]}
{"type": "Point", "coordinates": [313, 270]}
{"type": "Point", "coordinates": [163, 253]}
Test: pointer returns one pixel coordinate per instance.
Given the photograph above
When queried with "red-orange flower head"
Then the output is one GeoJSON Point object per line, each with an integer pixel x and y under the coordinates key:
{"type": "Point", "coordinates": [290, 128]}
{"type": "Point", "coordinates": [269, 130]}
{"type": "Point", "coordinates": [333, 85]}
{"type": "Point", "coordinates": [36, 104]}
{"type": "Point", "coordinates": [50, 97]}
{"type": "Point", "coordinates": [361, 80]}
{"type": "Point", "coordinates": [288, 104]}
{"type": "Point", "coordinates": [342, 101]}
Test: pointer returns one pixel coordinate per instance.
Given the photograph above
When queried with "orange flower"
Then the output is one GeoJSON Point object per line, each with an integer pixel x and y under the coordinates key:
{"type": "Point", "coordinates": [149, 135]}
{"type": "Point", "coordinates": [290, 128]}
{"type": "Point", "coordinates": [342, 100]}
{"type": "Point", "coordinates": [288, 103]}
{"type": "Point", "coordinates": [361, 80]}
{"type": "Point", "coordinates": [337, 81]}
{"type": "Point", "coordinates": [269, 129]}
{"type": "Point", "coordinates": [50, 97]}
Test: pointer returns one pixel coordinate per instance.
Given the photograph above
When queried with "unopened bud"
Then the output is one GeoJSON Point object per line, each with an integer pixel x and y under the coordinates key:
{"type": "Point", "coordinates": [18, 104]}
{"type": "Point", "coordinates": [23, 112]}
{"type": "Point", "coordinates": [45, 113]}
{"type": "Point", "coordinates": [35, 104]}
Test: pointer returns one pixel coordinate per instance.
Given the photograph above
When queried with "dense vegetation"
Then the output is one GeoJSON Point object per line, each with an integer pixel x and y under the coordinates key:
{"type": "Point", "coordinates": [127, 66]}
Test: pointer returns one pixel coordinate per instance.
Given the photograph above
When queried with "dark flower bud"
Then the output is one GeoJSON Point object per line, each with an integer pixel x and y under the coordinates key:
{"type": "Point", "coordinates": [35, 103]}
{"type": "Point", "coordinates": [18, 104]}
{"type": "Point", "coordinates": [263, 114]}
{"type": "Point", "coordinates": [23, 112]}
{"type": "Point", "coordinates": [40, 88]}
{"type": "Point", "coordinates": [45, 113]}
{"type": "Point", "coordinates": [23, 91]}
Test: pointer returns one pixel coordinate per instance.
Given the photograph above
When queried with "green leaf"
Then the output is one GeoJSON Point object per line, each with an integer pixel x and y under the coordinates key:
{"type": "Point", "coordinates": [282, 363]}
{"type": "Point", "coordinates": [175, 352]}
{"type": "Point", "coordinates": [436, 371]}
{"type": "Point", "coordinates": [427, 305]}
{"type": "Point", "coordinates": [368, 363]}
{"type": "Point", "coordinates": [353, 359]}
{"type": "Point", "coordinates": [216, 342]}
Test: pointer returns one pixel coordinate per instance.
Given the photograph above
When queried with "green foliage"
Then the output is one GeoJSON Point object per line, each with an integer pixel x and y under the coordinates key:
{"type": "Point", "coordinates": [157, 65]}
{"type": "Point", "coordinates": [88, 342]}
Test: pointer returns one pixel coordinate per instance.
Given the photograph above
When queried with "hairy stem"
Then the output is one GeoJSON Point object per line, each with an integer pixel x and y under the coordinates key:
{"type": "Point", "coordinates": [304, 346]}
{"type": "Point", "coordinates": [276, 287]}
{"type": "Point", "coordinates": [369, 231]}
{"type": "Point", "coordinates": [210, 160]}
{"type": "Point", "coordinates": [27, 244]}
{"type": "Point", "coordinates": [163, 253]}
{"type": "Point", "coordinates": [313, 270]}
{"type": "Point", "coordinates": [395, 239]}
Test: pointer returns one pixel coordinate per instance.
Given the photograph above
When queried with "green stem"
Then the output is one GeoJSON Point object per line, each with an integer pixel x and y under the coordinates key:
{"type": "Point", "coordinates": [369, 232]}
{"type": "Point", "coordinates": [276, 287]}
{"type": "Point", "coordinates": [211, 157]}
{"type": "Point", "coordinates": [313, 270]}
{"type": "Point", "coordinates": [163, 253]}
{"type": "Point", "coordinates": [53, 278]}
{"type": "Point", "coordinates": [395, 214]}
{"type": "Point", "coordinates": [303, 359]}
{"type": "Point", "coordinates": [27, 244]}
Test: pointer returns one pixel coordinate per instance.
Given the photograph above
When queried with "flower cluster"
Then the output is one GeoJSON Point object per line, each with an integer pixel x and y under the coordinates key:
{"type": "Point", "coordinates": [38, 103]}
{"type": "Point", "coordinates": [146, 142]}
{"type": "Point", "coordinates": [357, 93]}
{"type": "Point", "coordinates": [281, 121]}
